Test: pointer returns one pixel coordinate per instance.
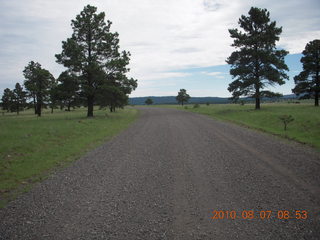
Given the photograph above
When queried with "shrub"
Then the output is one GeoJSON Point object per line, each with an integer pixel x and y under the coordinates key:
{"type": "Point", "coordinates": [196, 105]}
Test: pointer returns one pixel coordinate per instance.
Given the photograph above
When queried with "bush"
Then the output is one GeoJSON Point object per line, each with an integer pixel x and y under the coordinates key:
{"type": "Point", "coordinates": [196, 105]}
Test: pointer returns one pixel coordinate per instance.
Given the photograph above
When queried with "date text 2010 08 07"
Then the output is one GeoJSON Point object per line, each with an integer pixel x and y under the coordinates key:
{"type": "Point", "coordinates": [251, 214]}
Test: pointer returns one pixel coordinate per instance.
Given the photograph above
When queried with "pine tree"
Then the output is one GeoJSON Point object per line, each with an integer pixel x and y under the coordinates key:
{"type": "Point", "coordinates": [38, 83]}
{"type": "Point", "coordinates": [19, 98]}
{"type": "Point", "coordinates": [68, 89]}
{"type": "Point", "coordinates": [93, 53]}
{"type": "Point", "coordinates": [7, 99]}
{"type": "Point", "coordinates": [308, 81]}
{"type": "Point", "coordinates": [148, 101]}
{"type": "Point", "coordinates": [256, 63]}
{"type": "Point", "coordinates": [182, 97]}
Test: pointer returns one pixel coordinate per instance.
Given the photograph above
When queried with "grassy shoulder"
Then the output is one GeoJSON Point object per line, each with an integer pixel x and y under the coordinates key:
{"type": "Point", "coordinates": [304, 129]}
{"type": "Point", "coordinates": [30, 147]}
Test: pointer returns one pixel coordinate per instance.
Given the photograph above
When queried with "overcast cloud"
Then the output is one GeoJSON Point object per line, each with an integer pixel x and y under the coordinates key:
{"type": "Point", "coordinates": [167, 39]}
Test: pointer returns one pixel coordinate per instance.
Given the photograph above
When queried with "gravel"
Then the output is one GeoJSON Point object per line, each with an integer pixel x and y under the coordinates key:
{"type": "Point", "coordinates": [164, 176]}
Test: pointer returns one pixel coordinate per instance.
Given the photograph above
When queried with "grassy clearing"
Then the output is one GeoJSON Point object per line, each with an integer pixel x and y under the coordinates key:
{"type": "Point", "coordinates": [304, 129]}
{"type": "Point", "coordinates": [30, 146]}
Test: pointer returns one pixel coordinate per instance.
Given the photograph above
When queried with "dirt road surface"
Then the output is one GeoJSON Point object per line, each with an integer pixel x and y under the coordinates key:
{"type": "Point", "coordinates": [164, 177]}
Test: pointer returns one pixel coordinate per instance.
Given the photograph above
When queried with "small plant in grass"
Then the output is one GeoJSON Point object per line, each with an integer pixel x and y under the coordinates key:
{"type": "Point", "coordinates": [185, 107]}
{"type": "Point", "coordinates": [207, 103]}
{"type": "Point", "coordinates": [196, 105]}
{"type": "Point", "coordinates": [286, 119]}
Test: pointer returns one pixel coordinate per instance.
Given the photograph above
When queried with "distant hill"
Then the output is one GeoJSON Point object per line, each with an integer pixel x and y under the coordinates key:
{"type": "Point", "coordinates": [290, 96]}
{"type": "Point", "coordinates": [193, 100]}
{"type": "Point", "coordinates": [172, 100]}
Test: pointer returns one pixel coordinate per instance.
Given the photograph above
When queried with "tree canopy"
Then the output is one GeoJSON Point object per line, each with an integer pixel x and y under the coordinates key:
{"type": "Point", "coordinates": [38, 82]}
{"type": "Point", "coordinates": [67, 91]}
{"type": "Point", "coordinates": [182, 97]}
{"type": "Point", "coordinates": [7, 99]}
{"type": "Point", "coordinates": [92, 52]}
{"type": "Point", "coordinates": [308, 81]}
{"type": "Point", "coordinates": [148, 101]}
{"type": "Point", "coordinates": [19, 98]}
{"type": "Point", "coordinates": [256, 63]}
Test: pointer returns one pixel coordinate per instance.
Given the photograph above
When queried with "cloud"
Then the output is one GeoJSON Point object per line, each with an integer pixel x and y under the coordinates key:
{"type": "Point", "coordinates": [300, 22]}
{"type": "Point", "coordinates": [215, 75]}
{"type": "Point", "coordinates": [163, 75]}
{"type": "Point", "coordinates": [211, 5]}
{"type": "Point", "coordinates": [186, 50]}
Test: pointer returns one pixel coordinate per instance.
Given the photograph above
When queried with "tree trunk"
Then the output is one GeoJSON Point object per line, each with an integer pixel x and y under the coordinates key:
{"type": "Point", "coordinates": [35, 105]}
{"type": "Point", "coordinates": [39, 108]}
{"type": "Point", "coordinates": [257, 103]}
{"type": "Point", "coordinates": [90, 106]}
{"type": "Point", "coordinates": [69, 106]}
{"type": "Point", "coordinates": [39, 104]}
{"type": "Point", "coordinates": [257, 97]}
{"type": "Point", "coordinates": [316, 93]}
{"type": "Point", "coordinates": [51, 109]}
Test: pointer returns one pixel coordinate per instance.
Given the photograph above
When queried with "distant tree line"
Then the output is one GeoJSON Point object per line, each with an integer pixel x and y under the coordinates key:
{"type": "Point", "coordinates": [95, 75]}
{"type": "Point", "coordinates": [14, 100]}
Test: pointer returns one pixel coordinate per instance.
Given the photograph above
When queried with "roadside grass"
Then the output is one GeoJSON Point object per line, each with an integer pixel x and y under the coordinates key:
{"type": "Point", "coordinates": [304, 129]}
{"type": "Point", "coordinates": [31, 147]}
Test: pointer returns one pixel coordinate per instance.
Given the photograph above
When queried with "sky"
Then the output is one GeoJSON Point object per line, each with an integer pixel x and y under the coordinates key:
{"type": "Point", "coordinates": [173, 44]}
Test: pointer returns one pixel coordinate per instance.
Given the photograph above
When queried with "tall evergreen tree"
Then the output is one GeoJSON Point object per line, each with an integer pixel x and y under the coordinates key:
{"type": "Point", "coordinates": [19, 98]}
{"type": "Point", "coordinates": [38, 83]}
{"type": "Point", "coordinates": [54, 98]}
{"type": "Point", "coordinates": [256, 63]}
{"type": "Point", "coordinates": [68, 89]}
{"type": "Point", "coordinates": [182, 97]}
{"type": "Point", "coordinates": [308, 81]}
{"type": "Point", "coordinates": [93, 53]}
{"type": "Point", "coordinates": [7, 99]}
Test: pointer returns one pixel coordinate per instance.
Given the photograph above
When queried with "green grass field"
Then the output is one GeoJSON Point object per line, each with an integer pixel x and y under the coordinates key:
{"type": "Point", "coordinates": [30, 147]}
{"type": "Point", "coordinates": [304, 129]}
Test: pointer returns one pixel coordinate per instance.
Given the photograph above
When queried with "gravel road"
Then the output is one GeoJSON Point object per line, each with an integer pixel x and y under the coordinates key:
{"type": "Point", "coordinates": [164, 177]}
